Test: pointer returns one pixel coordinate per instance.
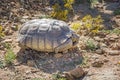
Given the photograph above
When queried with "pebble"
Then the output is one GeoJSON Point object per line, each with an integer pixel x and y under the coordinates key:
{"type": "Point", "coordinates": [99, 51]}
{"type": "Point", "coordinates": [58, 55]}
{"type": "Point", "coordinates": [30, 63]}
{"type": "Point", "coordinates": [106, 60]}
{"type": "Point", "coordinates": [115, 46]}
{"type": "Point", "coordinates": [97, 64]}
{"type": "Point", "coordinates": [96, 56]}
{"type": "Point", "coordinates": [98, 38]}
{"type": "Point", "coordinates": [112, 36]}
{"type": "Point", "coordinates": [1, 51]}
{"type": "Point", "coordinates": [15, 28]}
{"type": "Point", "coordinates": [23, 20]}
{"type": "Point", "coordinates": [8, 31]}
{"type": "Point", "coordinates": [25, 17]}
{"type": "Point", "coordinates": [7, 41]}
{"type": "Point", "coordinates": [28, 71]}
{"type": "Point", "coordinates": [113, 52]}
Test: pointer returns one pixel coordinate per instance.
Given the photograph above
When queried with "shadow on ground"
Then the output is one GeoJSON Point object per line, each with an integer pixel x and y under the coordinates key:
{"type": "Point", "coordinates": [50, 62]}
{"type": "Point", "coordinates": [105, 10]}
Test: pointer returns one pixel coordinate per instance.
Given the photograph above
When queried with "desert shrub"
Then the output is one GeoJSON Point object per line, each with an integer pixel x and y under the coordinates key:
{"type": "Point", "coordinates": [62, 79]}
{"type": "Point", "coordinates": [9, 57]}
{"type": "Point", "coordinates": [61, 8]}
{"type": "Point", "coordinates": [58, 77]}
{"type": "Point", "coordinates": [1, 64]}
{"type": "Point", "coordinates": [85, 61]}
{"type": "Point", "coordinates": [88, 25]}
{"type": "Point", "coordinates": [114, 31]}
{"type": "Point", "coordinates": [117, 12]}
{"type": "Point", "coordinates": [90, 45]}
{"type": "Point", "coordinates": [92, 3]}
{"type": "Point", "coordinates": [76, 25]}
{"type": "Point", "coordinates": [6, 45]}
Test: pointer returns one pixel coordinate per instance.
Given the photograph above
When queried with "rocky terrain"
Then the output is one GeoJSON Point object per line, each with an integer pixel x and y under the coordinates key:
{"type": "Point", "coordinates": [100, 57]}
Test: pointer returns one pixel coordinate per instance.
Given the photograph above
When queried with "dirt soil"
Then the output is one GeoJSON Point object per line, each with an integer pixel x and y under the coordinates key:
{"type": "Point", "coordinates": [101, 64]}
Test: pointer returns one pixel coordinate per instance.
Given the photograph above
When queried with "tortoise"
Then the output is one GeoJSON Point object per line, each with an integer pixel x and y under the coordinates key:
{"type": "Point", "coordinates": [47, 35]}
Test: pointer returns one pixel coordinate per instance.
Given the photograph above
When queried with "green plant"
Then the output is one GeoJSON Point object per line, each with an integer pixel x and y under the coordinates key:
{"type": "Point", "coordinates": [92, 3]}
{"type": "Point", "coordinates": [1, 32]}
{"type": "Point", "coordinates": [9, 56]}
{"type": "Point", "coordinates": [117, 12]}
{"type": "Point", "coordinates": [62, 79]}
{"type": "Point", "coordinates": [61, 9]}
{"type": "Point", "coordinates": [114, 31]}
{"type": "Point", "coordinates": [85, 62]}
{"type": "Point", "coordinates": [90, 45]}
{"type": "Point", "coordinates": [1, 64]}
{"type": "Point", "coordinates": [89, 24]}
{"type": "Point", "coordinates": [6, 45]}
{"type": "Point", "coordinates": [58, 77]}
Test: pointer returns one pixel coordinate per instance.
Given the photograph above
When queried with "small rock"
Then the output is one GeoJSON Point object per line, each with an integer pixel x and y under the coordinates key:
{"type": "Point", "coordinates": [115, 46]}
{"type": "Point", "coordinates": [98, 38]}
{"type": "Point", "coordinates": [7, 41]}
{"type": "Point", "coordinates": [99, 51]}
{"type": "Point", "coordinates": [116, 19]}
{"type": "Point", "coordinates": [113, 52]}
{"type": "Point", "coordinates": [25, 17]}
{"type": "Point", "coordinates": [21, 9]}
{"type": "Point", "coordinates": [1, 47]}
{"type": "Point", "coordinates": [12, 2]}
{"type": "Point", "coordinates": [8, 31]}
{"type": "Point", "coordinates": [16, 62]}
{"type": "Point", "coordinates": [75, 73]}
{"type": "Point", "coordinates": [58, 55]}
{"type": "Point", "coordinates": [82, 45]}
{"type": "Point", "coordinates": [15, 28]}
{"type": "Point", "coordinates": [48, 8]}
{"type": "Point", "coordinates": [30, 63]}
{"type": "Point", "coordinates": [34, 71]}
{"type": "Point", "coordinates": [76, 17]}
{"type": "Point", "coordinates": [97, 64]}
{"type": "Point", "coordinates": [112, 36]}
{"type": "Point", "coordinates": [96, 56]}
{"type": "Point", "coordinates": [23, 20]}
{"type": "Point", "coordinates": [28, 71]}
{"type": "Point", "coordinates": [3, 52]}
{"type": "Point", "coordinates": [102, 45]}
{"type": "Point", "coordinates": [104, 50]}
{"type": "Point", "coordinates": [106, 60]}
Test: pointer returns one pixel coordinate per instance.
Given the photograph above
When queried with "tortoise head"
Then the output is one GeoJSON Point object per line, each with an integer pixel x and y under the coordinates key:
{"type": "Point", "coordinates": [75, 38]}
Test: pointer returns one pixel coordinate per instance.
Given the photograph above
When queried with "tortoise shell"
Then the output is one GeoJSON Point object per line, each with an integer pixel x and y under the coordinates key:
{"type": "Point", "coordinates": [44, 34]}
